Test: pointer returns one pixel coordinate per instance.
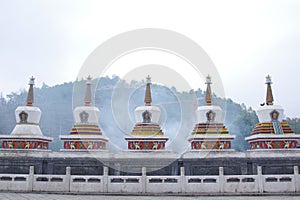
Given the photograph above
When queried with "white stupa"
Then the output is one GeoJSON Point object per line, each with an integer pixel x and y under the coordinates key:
{"type": "Point", "coordinates": [147, 134]}
{"type": "Point", "coordinates": [27, 133]}
{"type": "Point", "coordinates": [86, 133]}
{"type": "Point", "coordinates": [272, 132]}
{"type": "Point", "coordinates": [210, 132]}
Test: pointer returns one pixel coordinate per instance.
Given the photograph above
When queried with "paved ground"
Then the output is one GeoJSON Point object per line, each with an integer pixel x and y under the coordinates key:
{"type": "Point", "coordinates": [31, 196]}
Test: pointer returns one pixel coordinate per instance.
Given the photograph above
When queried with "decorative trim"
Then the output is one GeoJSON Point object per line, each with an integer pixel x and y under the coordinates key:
{"type": "Point", "coordinates": [87, 145]}
{"type": "Point", "coordinates": [23, 117]}
{"type": "Point", "coordinates": [84, 117]}
{"type": "Point", "coordinates": [204, 144]}
{"type": "Point", "coordinates": [24, 144]}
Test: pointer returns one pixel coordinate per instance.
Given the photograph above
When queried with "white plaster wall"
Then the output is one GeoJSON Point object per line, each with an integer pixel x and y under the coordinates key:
{"type": "Point", "coordinates": [154, 110]}
{"type": "Point", "coordinates": [202, 110]}
{"type": "Point", "coordinates": [93, 112]}
{"type": "Point", "coordinates": [34, 114]}
{"type": "Point", "coordinates": [264, 113]}
{"type": "Point", "coordinates": [27, 130]}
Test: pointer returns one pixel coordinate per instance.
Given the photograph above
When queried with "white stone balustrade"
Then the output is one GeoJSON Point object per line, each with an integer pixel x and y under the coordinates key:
{"type": "Point", "coordinates": [220, 184]}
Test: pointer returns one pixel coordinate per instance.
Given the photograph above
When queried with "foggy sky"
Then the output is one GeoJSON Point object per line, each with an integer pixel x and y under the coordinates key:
{"type": "Point", "coordinates": [245, 39]}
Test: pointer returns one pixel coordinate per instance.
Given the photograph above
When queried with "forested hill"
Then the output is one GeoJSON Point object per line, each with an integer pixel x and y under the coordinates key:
{"type": "Point", "coordinates": [117, 100]}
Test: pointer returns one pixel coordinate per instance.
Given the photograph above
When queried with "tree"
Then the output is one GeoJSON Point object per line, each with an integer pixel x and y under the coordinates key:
{"type": "Point", "coordinates": [242, 127]}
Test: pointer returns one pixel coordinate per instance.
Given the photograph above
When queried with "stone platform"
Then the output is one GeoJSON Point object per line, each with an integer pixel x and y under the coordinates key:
{"type": "Point", "coordinates": [163, 163]}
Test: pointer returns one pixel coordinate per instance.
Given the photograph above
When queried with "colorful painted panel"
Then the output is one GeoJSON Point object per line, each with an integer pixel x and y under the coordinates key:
{"type": "Point", "coordinates": [274, 127]}
{"type": "Point", "coordinates": [146, 145]}
{"type": "Point", "coordinates": [210, 128]}
{"type": "Point", "coordinates": [89, 145]}
{"type": "Point", "coordinates": [211, 145]}
{"type": "Point", "coordinates": [24, 145]}
{"type": "Point", "coordinates": [280, 144]}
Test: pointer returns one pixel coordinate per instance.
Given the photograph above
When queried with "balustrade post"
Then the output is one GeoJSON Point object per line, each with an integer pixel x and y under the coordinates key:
{"type": "Point", "coordinates": [68, 178]}
{"type": "Point", "coordinates": [105, 179]}
{"type": "Point", "coordinates": [182, 179]}
{"type": "Point", "coordinates": [221, 180]}
{"type": "Point", "coordinates": [30, 179]}
{"type": "Point", "coordinates": [144, 180]}
{"type": "Point", "coordinates": [296, 179]}
{"type": "Point", "coordinates": [260, 179]}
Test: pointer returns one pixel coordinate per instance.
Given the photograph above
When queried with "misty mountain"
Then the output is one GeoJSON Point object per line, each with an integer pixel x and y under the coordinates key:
{"type": "Point", "coordinates": [117, 100]}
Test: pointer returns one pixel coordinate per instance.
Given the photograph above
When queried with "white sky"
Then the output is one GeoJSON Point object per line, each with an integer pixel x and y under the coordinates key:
{"type": "Point", "coordinates": [245, 39]}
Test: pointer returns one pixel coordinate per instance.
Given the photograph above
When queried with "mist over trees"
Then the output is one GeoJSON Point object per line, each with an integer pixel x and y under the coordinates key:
{"type": "Point", "coordinates": [117, 100]}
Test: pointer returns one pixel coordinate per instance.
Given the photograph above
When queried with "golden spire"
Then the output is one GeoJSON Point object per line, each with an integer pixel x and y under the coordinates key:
{"type": "Point", "coordinates": [148, 99]}
{"type": "Point", "coordinates": [30, 92]}
{"type": "Point", "coordinates": [208, 98]}
{"type": "Point", "coordinates": [88, 92]}
{"type": "Point", "coordinates": [269, 98]}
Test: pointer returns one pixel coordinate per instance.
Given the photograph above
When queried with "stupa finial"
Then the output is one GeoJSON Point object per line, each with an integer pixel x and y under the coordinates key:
{"type": "Point", "coordinates": [208, 97]}
{"type": "Point", "coordinates": [88, 92]}
{"type": "Point", "coordinates": [30, 98]}
{"type": "Point", "coordinates": [269, 97]}
{"type": "Point", "coordinates": [148, 99]}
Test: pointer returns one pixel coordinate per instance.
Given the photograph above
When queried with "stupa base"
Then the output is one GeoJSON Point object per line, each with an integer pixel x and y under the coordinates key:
{"type": "Point", "coordinates": [272, 141]}
{"type": "Point", "coordinates": [146, 143]}
{"type": "Point", "coordinates": [26, 143]}
{"type": "Point", "coordinates": [211, 142]}
{"type": "Point", "coordinates": [84, 143]}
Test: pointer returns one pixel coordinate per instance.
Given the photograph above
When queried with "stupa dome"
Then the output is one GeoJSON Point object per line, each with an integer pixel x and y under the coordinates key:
{"type": "Point", "coordinates": [28, 117]}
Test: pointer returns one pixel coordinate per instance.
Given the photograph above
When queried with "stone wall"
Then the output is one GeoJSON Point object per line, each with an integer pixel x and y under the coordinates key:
{"type": "Point", "coordinates": [84, 163]}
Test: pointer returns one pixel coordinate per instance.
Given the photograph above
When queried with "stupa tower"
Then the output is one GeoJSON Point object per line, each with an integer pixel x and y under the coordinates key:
{"type": "Point", "coordinates": [271, 132]}
{"type": "Point", "coordinates": [210, 132]}
{"type": "Point", "coordinates": [147, 134]}
{"type": "Point", "coordinates": [27, 133]}
{"type": "Point", "coordinates": [86, 133]}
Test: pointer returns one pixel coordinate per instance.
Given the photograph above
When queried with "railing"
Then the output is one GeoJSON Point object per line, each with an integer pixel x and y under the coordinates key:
{"type": "Point", "coordinates": [163, 184]}
{"type": "Point", "coordinates": [17, 182]}
{"type": "Point", "coordinates": [201, 184]}
{"type": "Point", "coordinates": [86, 184]}
{"type": "Point", "coordinates": [220, 184]}
{"type": "Point", "coordinates": [279, 183]}
{"type": "Point", "coordinates": [241, 184]}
